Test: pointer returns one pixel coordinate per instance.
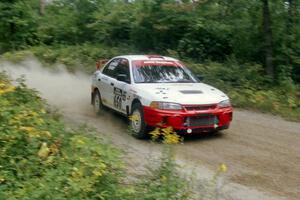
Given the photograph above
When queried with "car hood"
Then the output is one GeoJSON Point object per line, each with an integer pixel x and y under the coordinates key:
{"type": "Point", "coordinates": [183, 93]}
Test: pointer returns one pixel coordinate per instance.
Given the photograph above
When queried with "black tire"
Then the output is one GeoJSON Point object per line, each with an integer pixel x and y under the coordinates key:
{"type": "Point", "coordinates": [97, 102]}
{"type": "Point", "coordinates": [138, 131]}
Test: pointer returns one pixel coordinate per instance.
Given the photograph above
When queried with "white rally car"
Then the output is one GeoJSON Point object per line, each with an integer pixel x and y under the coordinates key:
{"type": "Point", "coordinates": [159, 91]}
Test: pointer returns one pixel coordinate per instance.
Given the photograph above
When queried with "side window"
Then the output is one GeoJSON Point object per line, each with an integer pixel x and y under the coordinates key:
{"type": "Point", "coordinates": [110, 68]}
{"type": "Point", "coordinates": [123, 68]}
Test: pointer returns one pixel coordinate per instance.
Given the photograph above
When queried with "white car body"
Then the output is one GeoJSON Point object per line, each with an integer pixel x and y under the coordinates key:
{"type": "Point", "coordinates": [120, 96]}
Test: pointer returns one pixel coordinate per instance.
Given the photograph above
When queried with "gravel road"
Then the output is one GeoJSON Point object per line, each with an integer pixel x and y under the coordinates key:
{"type": "Point", "coordinates": [261, 151]}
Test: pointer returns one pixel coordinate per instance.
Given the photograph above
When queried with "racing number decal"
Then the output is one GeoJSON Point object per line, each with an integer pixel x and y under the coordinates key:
{"type": "Point", "coordinates": [119, 97]}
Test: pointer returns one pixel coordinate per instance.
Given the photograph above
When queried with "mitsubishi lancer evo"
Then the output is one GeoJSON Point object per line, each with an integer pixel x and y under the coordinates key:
{"type": "Point", "coordinates": [159, 92]}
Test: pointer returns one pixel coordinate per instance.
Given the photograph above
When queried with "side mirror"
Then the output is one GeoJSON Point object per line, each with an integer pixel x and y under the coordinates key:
{"type": "Point", "coordinates": [123, 78]}
{"type": "Point", "coordinates": [200, 77]}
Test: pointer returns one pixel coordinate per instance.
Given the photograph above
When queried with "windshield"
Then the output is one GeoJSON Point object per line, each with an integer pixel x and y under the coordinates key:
{"type": "Point", "coordinates": [161, 72]}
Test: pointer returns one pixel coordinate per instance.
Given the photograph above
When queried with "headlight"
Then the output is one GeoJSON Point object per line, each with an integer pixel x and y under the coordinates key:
{"type": "Point", "coordinates": [165, 105]}
{"type": "Point", "coordinates": [224, 104]}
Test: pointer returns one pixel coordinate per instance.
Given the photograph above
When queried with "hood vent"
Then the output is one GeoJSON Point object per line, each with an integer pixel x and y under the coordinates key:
{"type": "Point", "coordinates": [191, 91]}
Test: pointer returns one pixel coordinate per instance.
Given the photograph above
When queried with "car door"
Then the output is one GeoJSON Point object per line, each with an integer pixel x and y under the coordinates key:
{"type": "Point", "coordinates": [121, 86]}
{"type": "Point", "coordinates": [106, 82]}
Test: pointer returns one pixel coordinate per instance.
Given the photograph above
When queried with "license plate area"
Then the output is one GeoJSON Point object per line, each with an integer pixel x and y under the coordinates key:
{"type": "Point", "coordinates": [201, 120]}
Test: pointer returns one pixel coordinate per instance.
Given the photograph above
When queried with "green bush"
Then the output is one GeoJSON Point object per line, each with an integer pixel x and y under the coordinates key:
{"type": "Point", "coordinates": [40, 159]}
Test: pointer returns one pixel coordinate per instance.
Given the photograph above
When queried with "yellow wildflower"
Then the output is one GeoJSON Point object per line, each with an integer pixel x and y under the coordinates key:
{"type": "Point", "coordinates": [40, 121]}
{"type": "Point", "coordinates": [34, 114]}
{"type": "Point", "coordinates": [223, 168]}
{"type": "Point", "coordinates": [102, 166]}
{"type": "Point", "coordinates": [163, 178]}
{"type": "Point", "coordinates": [7, 90]}
{"type": "Point", "coordinates": [76, 173]}
{"type": "Point", "coordinates": [44, 151]}
{"type": "Point", "coordinates": [79, 141]}
{"type": "Point", "coordinates": [167, 130]}
{"type": "Point", "coordinates": [155, 134]}
{"type": "Point", "coordinates": [169, 135]}
{"type": "Point", "coordinates": [133, 118]}
{"type": "Point", "coordinates": [31, 131]}
{"type": "Point", "coordinates": [26, 128]}
{"type": "Point", "coordinates": [47, 133]}
{"type": "Point", "coordinates": [97, 172]}
{"type": "Point", "coordinates": [171, 139]}
{"type": "Point", "coordinates": [49, 160]}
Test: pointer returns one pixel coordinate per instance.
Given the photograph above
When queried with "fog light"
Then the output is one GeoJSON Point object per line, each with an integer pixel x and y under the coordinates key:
{"type": "Point", "coordinates": [189, 131]}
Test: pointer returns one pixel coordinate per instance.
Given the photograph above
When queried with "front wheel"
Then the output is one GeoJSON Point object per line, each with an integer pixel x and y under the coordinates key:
{"type": "Point", "coordinates": [137, 123]}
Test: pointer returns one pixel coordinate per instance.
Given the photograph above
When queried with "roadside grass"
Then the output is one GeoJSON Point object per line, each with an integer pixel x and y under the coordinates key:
{"type": "Point", "coordinates": [41, 159]}
{"type": "Point", "coordinates": [165, 181]}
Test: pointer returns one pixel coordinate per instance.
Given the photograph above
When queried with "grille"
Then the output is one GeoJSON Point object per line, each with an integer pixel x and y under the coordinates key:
{"type": "Point", "coordinates": [202, 120]}
{"type": "Point", "coordinates": [200, 107]}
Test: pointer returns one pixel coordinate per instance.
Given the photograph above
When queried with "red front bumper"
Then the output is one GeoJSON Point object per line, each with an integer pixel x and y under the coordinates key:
{"type": "Point", "coordinates": [200, 120]}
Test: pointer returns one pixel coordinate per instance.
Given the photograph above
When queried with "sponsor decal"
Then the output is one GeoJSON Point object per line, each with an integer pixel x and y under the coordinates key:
{"type": "Point", "coordinates": [141, 63]}
{"type": "Point", "coordinates": [119, 97]}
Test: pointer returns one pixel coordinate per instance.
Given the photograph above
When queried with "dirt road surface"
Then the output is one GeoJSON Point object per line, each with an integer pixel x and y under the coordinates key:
{"type": "Point", "coordinates": [261, 151]}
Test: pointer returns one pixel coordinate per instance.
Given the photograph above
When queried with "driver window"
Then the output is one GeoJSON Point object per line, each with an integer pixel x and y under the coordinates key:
{"type": "Point", "coordinates": [123, 68]}
{"type": "Point", "coordinates": [110, 69]}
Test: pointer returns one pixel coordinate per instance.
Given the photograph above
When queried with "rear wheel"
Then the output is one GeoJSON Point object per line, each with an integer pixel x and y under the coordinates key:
{"type": "Point", "coordinates": [97, 102]}
{"type": "Point", "coordinates": [137, 123]}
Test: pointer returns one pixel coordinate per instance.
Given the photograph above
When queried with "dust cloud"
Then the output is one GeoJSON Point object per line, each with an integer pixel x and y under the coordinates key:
{"type": "Point", "coordinates": [69, 92]}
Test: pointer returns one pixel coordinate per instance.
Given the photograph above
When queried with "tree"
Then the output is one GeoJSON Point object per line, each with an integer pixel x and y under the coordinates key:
{"type": "Point", "coordinates": [292, 37]}
{"type": "Point", "coordinates": [18, 24]}
{"type": "Point", "coordinates": [268, 39]}
{"type": "Point", "coordinates": [291, 14]}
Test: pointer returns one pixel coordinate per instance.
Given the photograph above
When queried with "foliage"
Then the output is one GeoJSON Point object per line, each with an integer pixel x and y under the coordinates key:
{"type": "Point", "coordinates": [168, 135]}
{"type": "Point", "coordinates": [41, 159]}
{"type": "Point", "coordinates": [199, 30]}
{"type": "Point", "coordinates": [18, 24]}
